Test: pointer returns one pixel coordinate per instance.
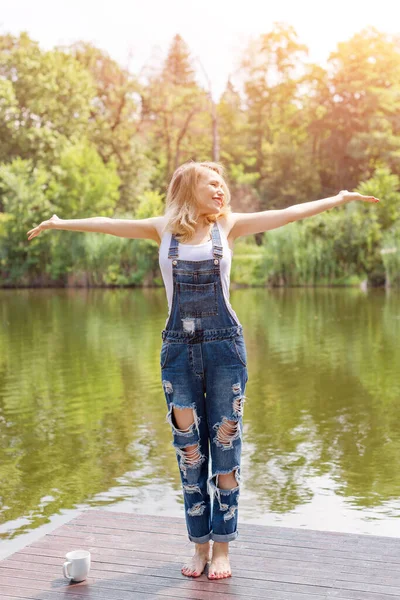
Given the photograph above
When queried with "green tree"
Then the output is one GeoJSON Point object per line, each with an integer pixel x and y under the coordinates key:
{"type": "Point", "coordinates": [386, 185]}
{"type": "Point", "coordinates": [175, 113]}
{"type": "Point", "coordinates": [357, 105]}
{"type": "Point", "coordinates": [277, 133]}
{"type": "Point", "coordinates": [23, 188]}
{"type": "Point", "coordinates": [80, 186]}
{"type": "Point", "coordinates": [45, 100]}
{"type": "Point", "coordinates": [114, 124]}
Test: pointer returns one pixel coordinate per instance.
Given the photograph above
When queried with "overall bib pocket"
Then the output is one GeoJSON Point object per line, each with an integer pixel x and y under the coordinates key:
{"type": "Point", "coordinates": [197, 299]}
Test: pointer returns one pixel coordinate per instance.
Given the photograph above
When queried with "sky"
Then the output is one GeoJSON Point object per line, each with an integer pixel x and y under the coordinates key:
{"type": "Point", "coordinates": [137, 32]}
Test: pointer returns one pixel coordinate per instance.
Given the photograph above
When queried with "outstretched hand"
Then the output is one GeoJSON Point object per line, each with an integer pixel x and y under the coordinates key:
{"type": "Point", "coordinates": [49, 224]}
{"type": "Point", "coordinates": [349, 196]}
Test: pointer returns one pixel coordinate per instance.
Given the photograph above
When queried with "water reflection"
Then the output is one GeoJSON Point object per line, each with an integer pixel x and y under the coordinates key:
{"type": "Point", "coordinates": [82, 411]}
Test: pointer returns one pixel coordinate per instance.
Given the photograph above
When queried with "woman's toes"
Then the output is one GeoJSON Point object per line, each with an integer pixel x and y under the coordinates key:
{"type": "Point", "coordinates": [221, 575]}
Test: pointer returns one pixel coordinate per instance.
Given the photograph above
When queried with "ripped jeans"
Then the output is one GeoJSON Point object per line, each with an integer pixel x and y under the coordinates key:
{"type": "Point", "coordinates": [209, 377]}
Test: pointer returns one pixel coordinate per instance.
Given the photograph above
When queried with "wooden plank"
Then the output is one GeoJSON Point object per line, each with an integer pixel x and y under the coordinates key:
{"type": "Point", "coordinates": [384, 576]}
{"type": "Point", "coordinates": [116, 563]}
{"type": "Point", "coordinates": [290, 532]}
{"type": "Point", "coordinates": [251, 563]}
{"type": "Point", "coordinates": [247, 532]}
{"type": "Point", "coordinates": [117, 556]}
{"type": "Point", "coordinates": [119, 595]}
{"type": "Point", "coordinates": [145, 541]}
{"type": "Point", "coordinates": [140, 556]}
{"type": "Point", "coordinates": [193, 589]}
{"type": "Point", "coordinates": [169, 570]}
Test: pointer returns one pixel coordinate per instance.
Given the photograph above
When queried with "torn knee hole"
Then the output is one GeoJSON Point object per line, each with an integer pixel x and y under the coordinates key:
{"type": "Point", "coordinates": [238, 405]}
{"type": "Point", "coordinates": [233, 476]}
{"type": "Point", "coordinates": [227, 433]}
{"type": "Point", "coordinates": [197, 509]}
{"type": "Point", "coordinates": [231, 512]}
{"type": "Point", "coordinates": [190, 455]}
{"type": "Point", "coordinates": [226, 430]}
{"type": "Point", "coordinates": [173, 421]}
{"type": "Point", "coordinates": [224, 491]}
{"type": "Point", "coordinates": [192, 488]}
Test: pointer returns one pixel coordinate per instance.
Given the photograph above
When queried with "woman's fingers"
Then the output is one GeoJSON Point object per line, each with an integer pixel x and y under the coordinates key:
{"type": "Point", "coordinates": [357, 196]}
{"type": "Point", "coordinates": [34, 232]}
{"type": "Point", "coordinates": [41, 227]}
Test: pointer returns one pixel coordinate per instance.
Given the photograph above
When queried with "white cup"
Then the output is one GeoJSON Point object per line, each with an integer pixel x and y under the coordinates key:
{"type": "Point", "coordinates": [77, 566]}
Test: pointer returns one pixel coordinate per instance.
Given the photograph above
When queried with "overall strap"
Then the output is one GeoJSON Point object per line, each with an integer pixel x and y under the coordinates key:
{"type": "Point", "coordinates": [216, 241]}
{"type": "Point", "coordinates": [173, 247]}
{"type": "Point", "coordinates": [173, 251]}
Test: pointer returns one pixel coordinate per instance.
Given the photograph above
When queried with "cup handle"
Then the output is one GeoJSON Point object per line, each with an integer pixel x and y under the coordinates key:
{"type": "Point", "coordinates": [65, 570]}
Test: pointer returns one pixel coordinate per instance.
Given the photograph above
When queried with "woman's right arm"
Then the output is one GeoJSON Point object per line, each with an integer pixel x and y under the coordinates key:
{"type": "Point", "coordinates": [149, 228]}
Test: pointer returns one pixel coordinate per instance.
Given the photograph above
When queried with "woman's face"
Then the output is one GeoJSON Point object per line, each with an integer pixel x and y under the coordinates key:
{"type": "Point", "coordinates": [210, 192]}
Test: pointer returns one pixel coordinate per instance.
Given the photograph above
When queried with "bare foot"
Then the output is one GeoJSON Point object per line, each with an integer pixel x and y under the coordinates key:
{"type": "Point", "coordinates": [220, 566]}
{"type": "Point", "coordinates": [196, 565]}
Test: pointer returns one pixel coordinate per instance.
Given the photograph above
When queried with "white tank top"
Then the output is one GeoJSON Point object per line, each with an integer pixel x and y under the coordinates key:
{"type": "Point", "coordinates": [196, 252]}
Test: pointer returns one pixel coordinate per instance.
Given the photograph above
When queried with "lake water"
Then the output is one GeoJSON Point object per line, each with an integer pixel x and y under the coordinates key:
{"type": "Point", "coordinates": [82, 409]}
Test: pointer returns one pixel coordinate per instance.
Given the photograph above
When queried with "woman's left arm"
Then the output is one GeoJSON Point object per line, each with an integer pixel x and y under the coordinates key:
{"type": "Point", "coordinates": [258, 222]}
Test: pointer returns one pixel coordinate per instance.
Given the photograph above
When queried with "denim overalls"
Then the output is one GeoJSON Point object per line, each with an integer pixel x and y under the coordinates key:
{"type": "Point", "coordinates": [203, 366]}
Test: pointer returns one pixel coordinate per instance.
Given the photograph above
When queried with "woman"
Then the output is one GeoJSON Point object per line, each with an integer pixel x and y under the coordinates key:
{"type": "Point", "coordinates": [203, 354]}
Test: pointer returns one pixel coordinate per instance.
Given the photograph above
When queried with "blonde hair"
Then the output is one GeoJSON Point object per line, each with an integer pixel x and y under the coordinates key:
{"type": "Point", "coordinates": [181, 200]}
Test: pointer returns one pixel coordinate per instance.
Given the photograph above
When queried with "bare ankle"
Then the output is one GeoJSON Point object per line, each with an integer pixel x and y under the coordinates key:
{"type": "Point", "coordinates": [202, 548]}
{"type": "Point", "coordinates": [220, 548]}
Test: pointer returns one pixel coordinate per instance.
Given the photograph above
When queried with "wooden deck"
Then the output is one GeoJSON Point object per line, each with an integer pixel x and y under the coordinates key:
{"type": "Point", "coordinates": [137, 557]}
